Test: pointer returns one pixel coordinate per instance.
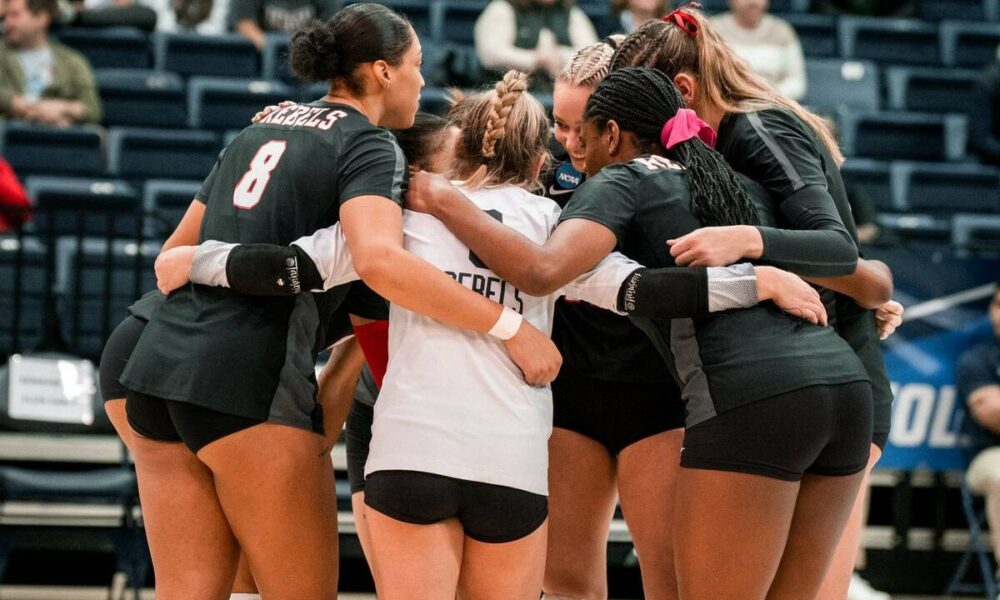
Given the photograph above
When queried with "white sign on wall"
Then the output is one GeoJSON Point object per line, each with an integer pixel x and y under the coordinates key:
{"type": "Point", "coordinates": [50, 389]}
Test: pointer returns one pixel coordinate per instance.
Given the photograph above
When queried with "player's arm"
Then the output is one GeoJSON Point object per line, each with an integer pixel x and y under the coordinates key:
{"type": "Point", "coordinates": [871, 285]}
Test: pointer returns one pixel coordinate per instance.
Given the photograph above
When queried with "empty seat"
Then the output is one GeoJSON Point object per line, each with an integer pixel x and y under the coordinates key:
{"type": "Point", "coordinates": [196, 54]}
{"type": "Point", "coordinates": [915, 226]}
{"type": "Point", "coordinates": [605, 22]}
{"type": "Point", "coordinates": [966, 10]}
{"type": "Point", "coordinates": [903, 41]}
{"type": "Point", "coordinates": [458, 20]}
{"type": "Point", "coordinates": [274, 59]}
{"type": "Point", "coordinates": [160, 153]}
{"type": "Point", "coordinates": [23, 283]}
{"type": "Point", "coordinates": [96, 281]}
{"type": "Point", "coordinates": [835, 84]}
{"type": "Point", "coordinates": [945, 189]}
{"type": "Point", "coordinates": [817, 34]}
{"type": "Point", "coordinates": [41, 149]}
{"type": "Point", "coordinates": [979, 232]}
{"type": "Point", "coordinates": [217, 103]}
{"type": "Point", "coordinates": [142, 98]}
{"type": "Point", "coordinates": [76, 206]}
{"type": "Point", "coordinates": [904, 135]}
{"type": "Point", "coordinates": [167, 200]}
{"type": "Point", "coordinates": [419, 12]}
{"type": "Point", "coordinates": [933, 90]}
{"type": "Point", "coordinates": [872, 178]}
{"type": "Point", "coordinates": [114, 47]}
{"type": "Point", "coordinates": [972, 45]}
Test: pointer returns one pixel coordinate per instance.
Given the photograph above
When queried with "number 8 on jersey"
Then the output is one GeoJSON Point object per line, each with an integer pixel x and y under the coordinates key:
{"type": "Point", "coordinates": [253, 183]}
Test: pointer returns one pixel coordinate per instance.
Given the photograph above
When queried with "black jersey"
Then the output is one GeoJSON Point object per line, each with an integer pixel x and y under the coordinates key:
{"type": "Point", "coordinates": [779, 150]}
{"type": "Point", "coordinates": [280, 179]}
{"type": "Point", "coordinates": [723, 360]}
{"type": "Point", "coordinates": [593, 341]}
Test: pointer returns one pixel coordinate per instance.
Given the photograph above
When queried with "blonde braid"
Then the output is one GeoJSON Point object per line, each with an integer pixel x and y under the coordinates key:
{"type": "Point", "coordinates": [508, 90]}
{"type": "Point", "coordinates": [590, 65]}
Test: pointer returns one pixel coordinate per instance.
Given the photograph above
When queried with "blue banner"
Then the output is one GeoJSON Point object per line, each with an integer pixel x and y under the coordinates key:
{"type": "Point", "coordinates": [946, 298]}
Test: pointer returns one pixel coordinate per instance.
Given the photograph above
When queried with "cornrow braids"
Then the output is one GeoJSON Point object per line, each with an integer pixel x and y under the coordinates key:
{"type": "Point", "coordinates": [641, 101]}
{"type": "Point", "coordinates": [590, 65]}
{"type": "Point", "coordinates": [508, 90]}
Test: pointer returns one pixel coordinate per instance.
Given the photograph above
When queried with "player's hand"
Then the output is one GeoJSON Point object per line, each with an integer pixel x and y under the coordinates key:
{"type": "Point", "coordinates": [717, 246]}
{"type": "Point", "coordinates": [535, 354]}
{"type": "Point", "coordinates": [428, 191]}
{"type": "Point", "coordinates": [888, 317]}
{"type": "Point", "coordinates": [173, 268]}
{"type": "Point", "coordinates": [791, 294]}
{"type": "Point", "coordinates": [257, 118]}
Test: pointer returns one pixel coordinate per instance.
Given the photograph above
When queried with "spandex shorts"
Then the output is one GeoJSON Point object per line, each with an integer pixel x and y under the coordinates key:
{"type": "Point", "coordinates": [172, 421]}
{"type": "Point", "coordinates": [615, 414]}
{"type": "Point", "coordinates": [116, 353]}
{"type": "Point", "coordinates": [492, 514]}
{"type": "Point", "coordinates": [823, 430]}
{"type": "Point", "coordinates": [358, 438]}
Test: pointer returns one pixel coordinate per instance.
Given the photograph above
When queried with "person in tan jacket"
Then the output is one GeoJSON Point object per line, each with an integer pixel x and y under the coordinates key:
{"type": "Point", "coordinates": [42, 80]}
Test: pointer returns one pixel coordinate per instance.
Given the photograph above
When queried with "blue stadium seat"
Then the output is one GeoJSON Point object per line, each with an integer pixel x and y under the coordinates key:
{"type": "Point", "coordinates": [945, 189]}
{"type": "Point", "coordinates": [965, 10]}
{"type": "Point", "coordinates": [76, 206]}
{"type": "Point", "coordinates": [980, 232]}
{"type": "Point", "coordinates": [96, 282]}
{"type": "Point", "coordinates": [903, 41]}
{"type": "Point", "coordinates": [34, 149]}
{"type": "Point", "coordinates": [419, 12]}
{"type": "Point", "coordinates": [142, 98]}
{"type": "Point", "coordinates": [775, 6]}
{"type": "Point", "coordinates": [835, 84]}
{"type": "Point", "coordinates": [167, 199]}
{"type": "Point", "coordinates": [315, 91]}
{"type": "Point", "coordinates": [817, 34]}
{"type": "Point", "coordinates": [23, 283]}
{"type": "Point", "coordinates": [904, 135]}
{"type": "Point", "coordinates": [221, 103]}
{"type": "Point", "coordinates": [458, 20]}
{"type": "Point", "coordinates": [915, 226]}
{"type": "Point", "coordinates": [932, 90]}
{"type": "Point", "coordinates": [195, 54]}
{"type": "Point", "coordinates": [115, 47]}
{"type": "Point", "coordinates": [159, 153]}
{"type": "Point", "coordinates": [971, 45]}
{"type": "Point", "coordinates": [274, 59]}
{"type": "Point", "coordinates": [604, 21]}
{"type": "Point", "coordinates": [873, 178]}
{"type": "Point", "coordinates": [434, 100]}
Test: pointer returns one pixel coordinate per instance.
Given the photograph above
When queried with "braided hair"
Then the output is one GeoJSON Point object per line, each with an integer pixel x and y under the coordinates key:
{"type": "Point", "coordinates": [641, 101]}
{"type": "Point", "coordinates": [504, 132]}
{"type": "Point", "coordinates": [590, 65]}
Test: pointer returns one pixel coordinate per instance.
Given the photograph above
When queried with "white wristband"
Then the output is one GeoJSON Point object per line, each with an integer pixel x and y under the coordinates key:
{"type": "Point", "coordinates": [507, 325]}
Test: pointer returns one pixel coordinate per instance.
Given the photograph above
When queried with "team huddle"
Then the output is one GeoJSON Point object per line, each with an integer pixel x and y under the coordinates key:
{"type": "Point", "coordinates": [675, 317]}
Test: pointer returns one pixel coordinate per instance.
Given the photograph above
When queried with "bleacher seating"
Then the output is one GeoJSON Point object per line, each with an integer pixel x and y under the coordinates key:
{"type": "Point", "coordinates": [193, 54]}
{"type": "Point", "coordinates": [161, 153]}
{"type": "Point", "coordinates": [274, 59]}
{"type": "Point", "coordinates": [223, 103]}
{"type": "Point", "coordinates": [142, 98]}
{"type": "Point", "coordinates": [970, 45]}
{"type": "Point", "coordinates": [933, 90]}
{"type": "Point", "coordinates": [901, 41]}
{"type": "Point", "coordinates": [903, 135]}
{"type": "Point", "coordinates": [944, 189]}
{"type": "Point", "coordinates": [169, 199]}
{"type": "Point", "coordinates": [976, 231]}
{"type": "Point", "coordinates": [457, 21]}
{"type": "Point", "coordinates": [41, 149]}
{"type": "Point", "coordinates": [966, 10]}
{"type": "Point", "coordinates": [835, 84]}
{"type": "Point", "coordinates": [78, 206]}
{"type": "Point", "coordinates": [871, 177]}
{"type": "Point", "coordinates": [116, 47]}
{"type": "Point", "coordinates": [419, 12]}
{"type": "Point", "coordinates": [817, 34]}
{"type": "Point", "coordinates": [24, 278]}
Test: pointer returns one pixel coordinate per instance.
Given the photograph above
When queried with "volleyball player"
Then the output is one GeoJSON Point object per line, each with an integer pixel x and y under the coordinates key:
{"type": "Point", "coordinates": [232, 377]}
{"type": "Point", "coordinates": [791, 152]}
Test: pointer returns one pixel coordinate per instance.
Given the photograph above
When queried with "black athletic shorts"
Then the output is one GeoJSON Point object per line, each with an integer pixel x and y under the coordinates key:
{"type": "Point", "coordinates": [117, 351]}
{"type": "Point", "coordinates": [615, 415]}
{"type": "Point", "coordinates": [492, 514]}
{"type": "Point", "coordinates": [358, 439]}
{"type": "Point", "coordinates": [171, 421]}
{"type": "Point", "coordinates": [824, 430]}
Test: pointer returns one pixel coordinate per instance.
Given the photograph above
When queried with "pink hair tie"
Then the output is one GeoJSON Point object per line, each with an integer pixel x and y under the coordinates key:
{"type": "Point", "coordinates": [684, 126]}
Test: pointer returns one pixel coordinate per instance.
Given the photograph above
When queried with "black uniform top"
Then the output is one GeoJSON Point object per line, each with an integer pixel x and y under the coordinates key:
{"type": "Point", "coordinates": [779, 150]}
{"type": "Point", "coordinates": [723, 360]}
{"type": "Point", "coordinates": [594, 342]}
{"type": "Point", "coordinates": [233, 353]}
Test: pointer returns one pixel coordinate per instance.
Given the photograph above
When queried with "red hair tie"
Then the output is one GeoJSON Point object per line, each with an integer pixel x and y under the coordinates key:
{"type": "Point", "coordinates": [684, 126]}
{"type": "Point", "coordinates": [683, 20]}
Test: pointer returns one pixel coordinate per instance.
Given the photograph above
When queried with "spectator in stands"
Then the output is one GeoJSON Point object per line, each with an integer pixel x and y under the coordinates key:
{"type": "Point", "coordinates": [979, 385]}
{"type": "Point", "coordinates": [633, 13]}
{"type": "Point", "coordinates": [534, 36]}
{"type": "Point", "coordinates": [107, 13]}
{"type": "Point", "coordinates": [207, 17]}
{"type": "Point", "coordinates": [15, 208]}
{"type": "Point", "coordinates": [870, 8]}
{"type": "Point", "coordinates": [768, 43]}
{"type": "Point", "coordinates": [254, 18]}
{"type": "Point", "coordinates": [984, 120]}
{"type": "Point", "coordinates": [40, 79]}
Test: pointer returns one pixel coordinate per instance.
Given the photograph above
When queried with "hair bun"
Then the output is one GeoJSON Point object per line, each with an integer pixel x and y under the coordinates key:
{"type": "Point", "coordinates": [313, 54]}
